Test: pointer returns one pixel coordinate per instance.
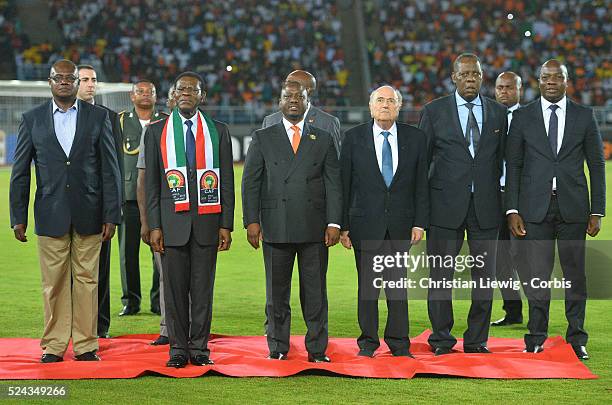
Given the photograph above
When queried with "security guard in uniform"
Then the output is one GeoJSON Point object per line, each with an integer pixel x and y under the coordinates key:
{"type": "Point", "coordinates": [143, 96]}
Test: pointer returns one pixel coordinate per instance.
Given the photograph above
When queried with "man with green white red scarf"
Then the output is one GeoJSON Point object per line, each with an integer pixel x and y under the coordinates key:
{"type": "Point", "coordinates": [190, 211]}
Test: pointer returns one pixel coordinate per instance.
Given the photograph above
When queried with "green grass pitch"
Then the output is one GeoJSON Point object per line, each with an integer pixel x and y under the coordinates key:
{"type": "Point", "coordinates": [238, 310]}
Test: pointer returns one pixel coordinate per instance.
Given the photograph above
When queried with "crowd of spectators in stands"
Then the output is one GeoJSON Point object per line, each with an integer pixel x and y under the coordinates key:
{"type": "Point", "coordinates": [411, 44]}
{"type": "Point", "coordinates": [259, 40]}
{"type": "Point", "coordinates": [417, 41]}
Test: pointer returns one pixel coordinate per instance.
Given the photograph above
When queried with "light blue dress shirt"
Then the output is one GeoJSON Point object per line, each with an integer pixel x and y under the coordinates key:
{"type": "Point", "coordinates": [464, 113]}
{"type": "Point", "coordinates": [64, 123]}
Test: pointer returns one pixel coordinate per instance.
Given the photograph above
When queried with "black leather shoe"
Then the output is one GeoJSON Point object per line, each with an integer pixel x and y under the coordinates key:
{"type": "Point", "coordinates": [87, 356]}
{"type": "Point", "coordinates": [506, 320]}
{"type": "Point", "coordinates": [534, 349]}
{"type": "Point", "coordinates": [403, 354]}
{"type": "Point", "coordinates": [177, 361]}
{"type": "Point", "coordinates": [476, 349]}
{"type": "Point", "coordinates": [439, 351]}
{"type": "Point", "coordinates": [365, 353]}
{"type": "Point", "coordinates": [201, 360]}
{"type": "Point", "coordinates": [50, 358]}
{"type": "Point", "coordinates": [129, 310]}
{"type": "Point", "coordinates": [581, 352]}
{"type": "Point", "coordinates": [277, 356]}
{"type": "Point", "coordinates": [318, 358]}
{"type": "Point", "coordinates": [160, 341]}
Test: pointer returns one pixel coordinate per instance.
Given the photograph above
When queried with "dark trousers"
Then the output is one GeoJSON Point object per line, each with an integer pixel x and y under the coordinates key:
{"type": "Point", "coordinates": [443, 242]}
{"type": "Point", "coordinates": [396, 328]}
{"type": "Point", "coordinates": [312, 266]}
{"type": "Point", "coordinates": [189, 271]}
{"type": "Point", "coordinates": [104, 289]}
{"type": "Point", "coordinates": [129, 254]}
{"type": "Point", "coordinates": [506, 263]}
{"type": "Point", "coordinates": [539, 252]}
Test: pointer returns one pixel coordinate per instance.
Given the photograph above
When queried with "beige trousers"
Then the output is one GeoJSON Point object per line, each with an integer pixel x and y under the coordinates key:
{"type": "Point", "coordinates": [69, 268]}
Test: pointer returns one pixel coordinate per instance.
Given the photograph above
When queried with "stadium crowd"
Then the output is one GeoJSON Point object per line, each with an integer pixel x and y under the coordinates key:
{"type": "Point", "coordinates": [418, 40]}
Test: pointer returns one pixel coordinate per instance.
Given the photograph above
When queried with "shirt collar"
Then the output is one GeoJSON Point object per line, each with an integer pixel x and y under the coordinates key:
{"type": "Point", "coordinates": [461, 101]}
{"type": "Point", "coordinates": [74, 107]}
{"type": "Point", "coordinates": [377, 130]}
{"type": "Point", "coordinates": [514, 107]}
{"type": "Point", "coordinates": [561, 103]}
{"type": "Point", "coordinates": [193, 119]}
{"type": "Point", "coordinates": [288, 125]}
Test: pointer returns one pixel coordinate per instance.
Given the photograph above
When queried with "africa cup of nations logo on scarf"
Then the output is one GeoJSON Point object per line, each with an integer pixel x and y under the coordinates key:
{"type": "Point", "coordinates": [172, 145]}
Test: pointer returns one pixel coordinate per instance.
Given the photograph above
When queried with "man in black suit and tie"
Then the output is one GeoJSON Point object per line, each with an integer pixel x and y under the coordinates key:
{"type": "Point", "coordinates": [190, 211]}
{"type": "Point", "coordinates": [88, 86]}
{"type": "Point", "coordinates": [548, 199]}
{"type": "Point", "coordinates": [465, 134]}
{"type": "Point", "coordinates": [77, 205]}
{"type": "Point", "coordinates": [314, 116]}
{"type": "Point", "coordinates": [385, 197]}
{"type": "Point", "coordinates": [292, 200]}
{"type": "Point", "coordinates": [508, 93]}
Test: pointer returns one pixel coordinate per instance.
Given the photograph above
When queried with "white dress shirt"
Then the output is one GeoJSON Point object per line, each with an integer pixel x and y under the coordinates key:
{"type": "Point", "coordinates": [379, 139]}
{"type": "Point", "coordinates": [64, 123]}
{"type": "Point", "coordinates": [511, 110]}
{"type": "Point", "coordinates": [546, 111]}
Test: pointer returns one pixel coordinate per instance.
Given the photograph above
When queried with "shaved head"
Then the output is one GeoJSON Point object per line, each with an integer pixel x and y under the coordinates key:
{"type": "Point", "coordinates": [64, 64]}
{"type": "Point", "coordinates": [306, 79]}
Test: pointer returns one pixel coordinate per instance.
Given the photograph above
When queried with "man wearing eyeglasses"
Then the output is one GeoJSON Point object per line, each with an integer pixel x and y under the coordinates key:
{"type": "Point", "coordinates": [143, 96]}
{"type": "Point", "coordinates": [465, 133]}
{"type": "Point", "coordinates": [88, 86]}
{"type": "Point", "coordinates": [77, 205]}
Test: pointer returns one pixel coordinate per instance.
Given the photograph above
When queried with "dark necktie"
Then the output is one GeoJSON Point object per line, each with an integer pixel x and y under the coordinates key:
{"type": "Point", "coordinates": [472, 132]}
{"type": "Point", "coordinates": [190, 146]}
{"type": "Point", "coordinates": [553, 128]}
{"type": "Point", "coordinates": [387, 159]}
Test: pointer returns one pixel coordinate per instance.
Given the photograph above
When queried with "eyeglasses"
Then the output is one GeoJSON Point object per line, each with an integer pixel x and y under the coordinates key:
{"type": "Point", "coordinates": [60, 78]}
{"type": "Point", "coordinates": [187, 90]}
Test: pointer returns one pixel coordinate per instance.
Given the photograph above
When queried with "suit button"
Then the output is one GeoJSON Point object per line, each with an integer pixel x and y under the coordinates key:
{"type": "Point", "coordinates": [68, 163]}
{"type": "Point", "coordinates": [286, 181]}
{"type": "Point", "coordinates": [284, 199]}
{"type": "Point", "coordinates": [67, 185]}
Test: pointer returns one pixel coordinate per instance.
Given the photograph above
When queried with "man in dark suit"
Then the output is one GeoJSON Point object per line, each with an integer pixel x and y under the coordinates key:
{"type": "Point", "coordinates": [291, 199]}
{"type": "Point", "coordinates": [88, 85]}
{"type": "Point", "coordinates": [385, 197]}
{"type": "Point", "coordinates": [78, 203]}
{"type": "Point", "coordinates": [132, 122]}
{"type": "Point", "coordinates": [314, 116]}
{"type": "Point", "coordinates": [508, 93]}
{"type": "Point", "coordinates": [190, 210]}
{"type": "Point", "coordinates": [465, 134]}
{"type": "Point", "coordinates": [548, 200]}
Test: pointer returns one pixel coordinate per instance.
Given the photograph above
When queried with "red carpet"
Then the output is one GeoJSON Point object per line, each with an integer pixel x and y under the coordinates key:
{"type": "Point", "coordinates": [244, 356]}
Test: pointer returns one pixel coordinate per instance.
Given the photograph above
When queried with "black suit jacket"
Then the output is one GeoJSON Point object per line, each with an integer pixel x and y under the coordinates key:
{"type": "Point", "coordinates": [531, 165]}
{"type": "Point", "coordinates": [117, 140]}
{"type": "Point", "coordinates": [293, 196]}
{"type": "Point", "coordinates": [452, 169]}
{"type": "Point", "coordinates": [82, 190]}
{"type": "Point", "coordinates": [370, 208]}
{"type": "Point", "coordinates": [316, 118]}
{"type": "Point", "coordinates": [177, 227]}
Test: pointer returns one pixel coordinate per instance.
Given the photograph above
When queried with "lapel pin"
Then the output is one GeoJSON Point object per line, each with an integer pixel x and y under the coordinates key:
{"type": "Point", "coordinates": [313, 136]}
{"type": "Point", "coordinates": [131, 115]}
{"type": "Point", "coordinates": [310, 120]}
{"type": "Point", "coordinates": [497, 130]}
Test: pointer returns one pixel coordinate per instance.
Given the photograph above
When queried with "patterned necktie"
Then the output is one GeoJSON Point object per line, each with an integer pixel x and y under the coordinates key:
{"type": "Point", "coordinates": [295, 141]}
{"type": "Point", "coordinates": [190, 147]}
{"type": "Point", "coordinates": [472, 132]}
{"type": "Point", "coordinates": [553, 125]}
{"type": "Point", "coordinates": [387, 159]}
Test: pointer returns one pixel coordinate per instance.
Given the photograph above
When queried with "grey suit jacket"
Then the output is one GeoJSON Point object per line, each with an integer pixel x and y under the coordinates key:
{"type": "Point", "coordinates": [317, 118]}
{"type": "Point", "coordinates": [179, 226]}
{"type": "Point", "coordinates": [531, 165]}
{"type": "Point", "coordinates": [453, 170]}
{"type": "Point", "coordinates": [292, 196]}
{"type": "Point", "coordinates": [82, 190]}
